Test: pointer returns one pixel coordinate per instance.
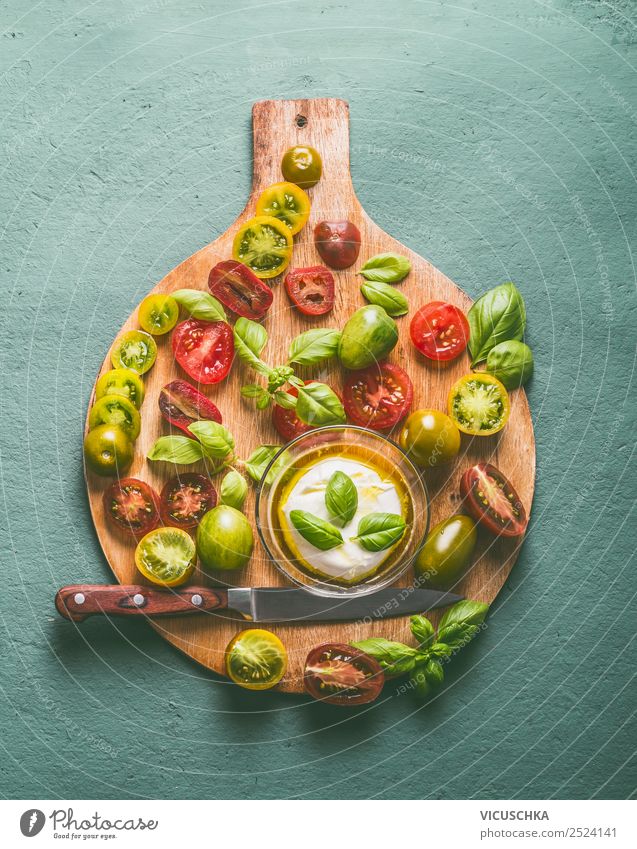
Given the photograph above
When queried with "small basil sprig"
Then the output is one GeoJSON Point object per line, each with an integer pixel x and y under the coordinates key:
{"type": "Point", "coordinates": [200, 305]}
{"type": "Point", "coordinates": [341, 497]}
{"type": "Point", "coordinates": [386, 268]}
{"type": "Point", "coordinates": [498, 316]}
{"type": "Point", "coordinates": [316, 531]}
{"type": "Point", "coordinates": [314, 346]}
{"type": "Point", "coordinates": [316, 404]}
{"type": "Point", "coordinates": [511, 362]}
{"type": "Point", "coordinates": [460, 624]}
{"type": "Point", "coordinates": [391, 300]}
{"type": "Point", "coordinates": [214, 442]}
{"type": "Point", "coordinates": [378, 531]}
{"type": "Point", "coordinates": [233, 490]}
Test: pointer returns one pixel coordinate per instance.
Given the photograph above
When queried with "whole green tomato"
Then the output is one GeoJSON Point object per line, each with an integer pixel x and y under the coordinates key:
{"type": "Point", "coordinates": [224, 539]}
{"type": "Point", "coordinates": [302, 165]}
{"type": "Point", "coordinates": [446, 554]}
{"type": "Point", "coordinates": [430, 438]}
{"type": "Point", "coordinates": [108, 450]}
{"type": "Point", "coordinates": [369, 335]}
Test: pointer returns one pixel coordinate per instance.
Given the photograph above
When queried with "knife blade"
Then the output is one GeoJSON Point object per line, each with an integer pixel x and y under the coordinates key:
{"type": "Point", "coordinates": [260, 604]}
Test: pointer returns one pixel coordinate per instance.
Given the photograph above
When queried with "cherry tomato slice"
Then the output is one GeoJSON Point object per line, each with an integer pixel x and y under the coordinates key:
{"type": "Point", "coordinates": [492, 501]}
{"type": "Point", "coordinates": [158, 314]}
{"type": "Point", "coordinates": [479, 404]}
{"type": "Point", "coordinates": [256, 659]}
{"type": "Point", "coordinates": [264, 244]}
{"type": "Point", "coordinates": [338, 243]}
{"type": "Point", "coordinates": [379, 396]}
{"type": "Point", "coordinates": [239, 289]}
{"type": "Point", "coordinates": [287, 202]}
{"type": "Point", "coordinates": [186, 499]}
{"type": "Point", "coordinates": [311, 290]}
{"type": "Point", "coordinates": [341, 675]}
{"type": "Point", "coordinates": [132, 506]}
{"type": "Point", "coordinates": [204, 349]}
{"type": "Point", "coordinates": [440, 331]}
{"type": "Point", "coordinates": [181, 405]}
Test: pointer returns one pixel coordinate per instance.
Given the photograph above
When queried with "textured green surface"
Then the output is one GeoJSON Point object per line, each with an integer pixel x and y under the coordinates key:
{"type": "Point", "coordinates": [495, 138]}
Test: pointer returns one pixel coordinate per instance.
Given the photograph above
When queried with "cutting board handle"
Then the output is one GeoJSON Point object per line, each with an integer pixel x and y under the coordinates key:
{"type": "Point", "coordinates": [322, 123]}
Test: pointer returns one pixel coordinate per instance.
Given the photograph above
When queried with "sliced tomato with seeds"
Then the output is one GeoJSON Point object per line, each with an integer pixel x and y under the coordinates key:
{"type": "Point", "coordinates": [239, 289]}
{"type": "Point", "coordinates": [186, 499]}
{"type": "Point", "coordinates": [311, 290]}
{"type": "Point", "coordinates": [378, 396]}
{"type": "Point", "coordinates": [132, 506]}
{"type": "Point", "coordinates": [440, 331]}
{"type": "Point", "coordinates": [342, 675]}
{"type": "Point", "coordinates": [181, 405]}
{"type": "Point", "coordinates": [204, 349]}
{"type": "Point", "coordinates": [492, 500]}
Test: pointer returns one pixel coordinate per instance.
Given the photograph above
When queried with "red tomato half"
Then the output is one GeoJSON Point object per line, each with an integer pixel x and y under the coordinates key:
{"type": "Point", "coordinates": [204, 349]}
{"type": "Point", "coordinates": [492, 501]}
{"type": "Point", "coordinates": [342, 675]}
{"type": "Point", "coordinates": [186, 499]}
{"type": "Point", "coordinates": [239, 289]}
{"type": "Point", "coordinates": [181, 405]}
{"type": "Point", "coordinates": [440, 331]}
{"type": "Point", "coordinates": [311, 290]}
{"type": "Point", "coordinates": [378, 396]}
{"type": "Point", "coordinates": [338, 243]}
{"type": "Point", "coordinates": [132, 506]}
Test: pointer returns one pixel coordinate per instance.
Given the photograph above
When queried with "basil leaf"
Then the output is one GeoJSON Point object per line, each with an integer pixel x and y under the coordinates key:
{"type": "Point", "coordinates": [317, 532]}
{"type": "Point", "coordinates": [395, 658]}
{"type": "Point", "coordinates": [341, 497]}
{"type": "Point", "coordinates": [234, 489]}
{"type": "Point", "coordinates": [465, 612]}
{"type": "Point", "coordinates": [427, 678]}
{"type": "Point", "coordinates": [319, 405]}
{"type": "Point", "coordinates": [378, 531]}
{"type": "Point", "coordinates": [215, 438]}
{"type": "Point", "coordinates": [313, 346]}
{"type": "Point", "coordinates": [177, 449]}
{"type": "Point", "coordinates": [250, 338]}
{"type": "Point", "coordinates": [200, 304]}
{"type": "Point", "coordinates": [458, 634]}
{"type": "Point", "coordinates": [391, 300]}
{"type": "Point", "coordinates": [386, 268]}
{"type": "Point", "coordinates": [423, 631]}
{"type": "Point", "coordinates": [259, 459]}
{"type": "Point", "coordinates": [264, 401]}
{"type": "Point", "coordinates": [511, 362]}
{"type": "Point", "coordinates": [499, 315]}
{"type": "Point", "coordinates": [252, 390]}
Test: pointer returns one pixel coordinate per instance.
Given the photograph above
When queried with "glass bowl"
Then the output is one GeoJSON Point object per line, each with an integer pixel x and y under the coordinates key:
{"type": "Point", "coordinates": [369, 448]}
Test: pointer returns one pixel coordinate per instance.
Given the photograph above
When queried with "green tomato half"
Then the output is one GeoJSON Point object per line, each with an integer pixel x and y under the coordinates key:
{"type": "Point", "coordinates": [224, 539]}
{"type": "Point", "coordinates": [121, 381]}
{"type": "Point", "coordinates": [446, 554]}
{"type": "Point", "coordinates": [369, 335]}
{"type": "Point", "coordinates": [116, 410]}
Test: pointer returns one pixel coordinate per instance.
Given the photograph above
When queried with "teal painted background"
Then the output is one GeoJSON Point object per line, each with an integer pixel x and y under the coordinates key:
{"type": "Point", "coordinates": [495, 138]}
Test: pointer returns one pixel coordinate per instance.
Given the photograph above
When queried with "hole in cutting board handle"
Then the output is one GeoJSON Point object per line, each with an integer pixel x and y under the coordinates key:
{"type": "Point", "coordinates": [300, 121]}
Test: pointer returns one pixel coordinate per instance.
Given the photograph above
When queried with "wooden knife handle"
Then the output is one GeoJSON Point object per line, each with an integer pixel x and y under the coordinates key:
{"type": "Point", "coordinates": [78, 601]}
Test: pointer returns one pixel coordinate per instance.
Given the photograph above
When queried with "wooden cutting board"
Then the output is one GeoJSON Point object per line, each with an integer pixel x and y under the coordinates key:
{"type": "Point", "coordinates": [323, 124]}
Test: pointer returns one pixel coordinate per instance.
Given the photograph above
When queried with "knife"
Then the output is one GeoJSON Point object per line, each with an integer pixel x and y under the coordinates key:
{"type": "Point", "coordinates": [262, 604]}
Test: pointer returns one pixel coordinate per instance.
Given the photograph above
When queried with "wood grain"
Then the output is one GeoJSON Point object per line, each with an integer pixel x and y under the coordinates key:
{"type": "Point", "coordinates": [324, 124]}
